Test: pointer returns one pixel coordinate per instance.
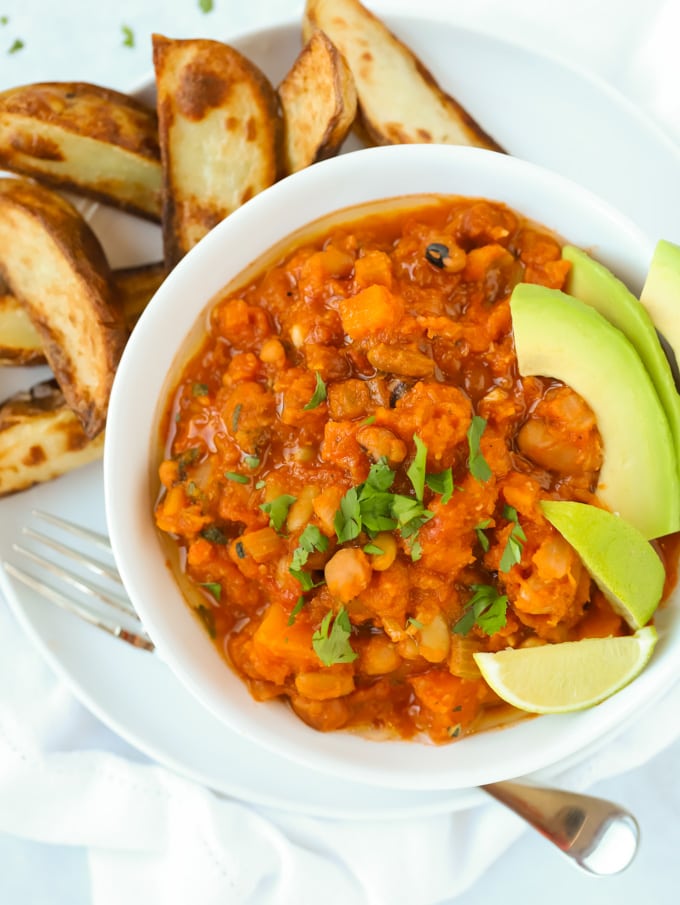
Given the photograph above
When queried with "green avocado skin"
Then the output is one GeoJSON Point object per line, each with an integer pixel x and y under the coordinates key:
{"type": "Point", "coordinates": [661, 293]}
{"type": "Point", "coordinates": [559, 336]}
{"type": "Point", "coordinates": [594, 284]}
{"type": "Point", "coordinates": [618, 558]}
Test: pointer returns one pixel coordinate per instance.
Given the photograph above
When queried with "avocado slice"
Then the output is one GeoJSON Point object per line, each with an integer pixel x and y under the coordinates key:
{"type": "Point", "coordinates": [591, 282]}
{"type": "Point", "coordinates": [559, 336]}
{"type": "Point", "coordinates": [623, 565]}
{"type": "Point", "coordinates": [661, 293]}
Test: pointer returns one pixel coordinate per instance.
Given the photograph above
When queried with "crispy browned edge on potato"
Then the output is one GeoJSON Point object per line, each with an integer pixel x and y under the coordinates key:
{"type": "Point", "coordinates": [41, 438]}
{"type": "Point", "coordinates": [220, 131]}
{"type": "Point", "coordinates": [92, 140]}
{"type": "Point", "coordinates": [400, 102]}
{"type": "Point", "coordinates": [20, 342]}
{"type": "Point", "coordinates": [53, 263]}
{"type": "Point", "coordinates": [319, 102]}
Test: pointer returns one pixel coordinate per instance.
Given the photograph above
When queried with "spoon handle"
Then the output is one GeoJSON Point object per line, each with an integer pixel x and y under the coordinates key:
{"type": "Point", "coordinates": [599, 836]}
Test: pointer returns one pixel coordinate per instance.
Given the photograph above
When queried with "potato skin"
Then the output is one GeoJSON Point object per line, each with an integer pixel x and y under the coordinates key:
{"type": "Point", "coordinates": [41, 438]}
{"type": "Point", "coordinates": [86, 138]}
{"type": "Point", "coordinates": [53, 263]}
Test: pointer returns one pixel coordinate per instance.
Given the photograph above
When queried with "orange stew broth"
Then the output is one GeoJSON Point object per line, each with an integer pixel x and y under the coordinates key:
{"type": "Point", "coordinates": [401, 320]}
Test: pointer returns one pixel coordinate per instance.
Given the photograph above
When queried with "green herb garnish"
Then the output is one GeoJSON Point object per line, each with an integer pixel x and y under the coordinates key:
{"type": "Point", "coordinates": [319, 394]}
{"type": "Point", "coordinates": [416, 623]}
{"type": "Point", "coordinates": [214, 535]}
{"type": "Point", "coordinates": [235, 476]}
{"type": "Point", "coordinates": [374, 549]}
{"type": "Point", "coordinates": [487, 608]}
{"type": "Point", "coordinates": [206, 6]}
{"type": "Point", "coordinates": [296, 609]}
{"type": "Point", "coordinates": [252, 461]}
{"type": "Point", "coordinates": [214, 587]}
{"type": "Point", "coordinates": [277, 510]}
{"type": "Point", "coordinates": [128, 36]}
{"type": "Point", "coordinates": [481, 537]}
{"type": "Point", "coordinates": [441, 482]}
{"type": "Point", "coordinates": [199, 389]}
{"type": "Point", "coordinates": [416, 471]}
{"type": "Point", "coordinates": [331, 641]}
{"type": "Point", "coordinates": [513, 548]}
{"type": "Point", "coordinates": [479, 467]}
{"type": "Point", "coordinates": [207, 617]}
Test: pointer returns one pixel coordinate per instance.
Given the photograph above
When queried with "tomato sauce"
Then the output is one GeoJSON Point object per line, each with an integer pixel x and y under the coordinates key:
{"type": "Point", "coordinates": [353, 468]}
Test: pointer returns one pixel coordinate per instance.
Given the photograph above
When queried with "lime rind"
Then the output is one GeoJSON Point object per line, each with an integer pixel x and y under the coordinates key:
{"type": "Point", "coordinates": [566, 677]}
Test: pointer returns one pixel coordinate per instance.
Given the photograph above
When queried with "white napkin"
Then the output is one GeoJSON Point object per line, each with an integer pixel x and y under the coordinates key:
{"type": "Point", "coordinates": [154, 837]}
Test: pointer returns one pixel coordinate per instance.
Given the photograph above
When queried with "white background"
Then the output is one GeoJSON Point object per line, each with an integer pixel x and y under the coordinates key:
{"type": "Point", "coordinates": [82, 40]}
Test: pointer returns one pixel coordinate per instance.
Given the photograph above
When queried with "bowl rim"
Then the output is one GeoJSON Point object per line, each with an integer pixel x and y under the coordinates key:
{"type": "Point", "coordinates": [185, 648]}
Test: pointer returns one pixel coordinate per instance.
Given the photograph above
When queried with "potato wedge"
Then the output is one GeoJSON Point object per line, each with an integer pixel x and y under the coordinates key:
{"type": "Point", "coordinates": [20, 342]}
{"type": "Point", "coordinates": [319, 102]}
{"type": "Point", "coordinates": [220, 132]}
{"type": "Point", "coordinates": [52, 262]}
{"type": "Point", "coordinates": [399, 100]}
{"type": "Point", "coordinates": [41, 438]}
{"type": "Point", "coordinates": [92, 140]}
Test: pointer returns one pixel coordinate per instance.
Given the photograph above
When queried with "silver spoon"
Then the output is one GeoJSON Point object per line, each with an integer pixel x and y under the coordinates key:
{"type": "Point", "coordinates": [599, 836]}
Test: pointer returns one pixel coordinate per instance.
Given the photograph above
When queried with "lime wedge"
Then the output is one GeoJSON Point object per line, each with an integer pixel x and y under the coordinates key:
{"type": "Point", "coordinates": [560, 678]}
{"type": "Point", "coordinates": [623, 564]}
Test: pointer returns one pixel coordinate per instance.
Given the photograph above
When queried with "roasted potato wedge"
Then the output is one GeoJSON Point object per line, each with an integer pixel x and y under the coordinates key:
{"type": "Point", "coordinates": [78, 136]}
{"type": "Point", "coordinates": [41, 438]}
{"type": "Point", "coordinates": [399, 100]}
{"type": "Point", "coordinates": [220, 131]}
{"type": "Point", "coordinates": [20, 342]}
{"type": "Point", "coordinates": [319, 102]}
{"type": "Point", "coordinates": [54, 265]}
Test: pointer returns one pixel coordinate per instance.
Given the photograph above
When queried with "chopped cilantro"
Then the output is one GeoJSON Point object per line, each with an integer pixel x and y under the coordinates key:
{"type": "Point", "coordinates": [235, 418]}
{"type": "Point", "coordinates": [207, 617]}
{"type": "Point", "coordinates": [319, 394]}
{"type": "Point", "coordinates": [235, 476]}
{"type": "Point", "coordinates": [415, 622]}
{"type": "Point", "coordinates": [416, 551]}
{"type": "Point", "coordinates": [199, 389]}
{"type": "Point", "coordinates": [513, 548]}
{"type": "Point", "coordinates": [260, 485]}
{"type": "Point", "coordinates": [252, 461]}
{"type": "Point", "coordinates": [277, 510]}
{"type": "Point", "coordinates": [441, 482]}
{"type": "Point", "coordinates": [4, 20]}
{"type": "Point", "coordinates": [305, 579]}
{"type": "Point", "coordinates": [296, 609]}
{"type": "Point", "coordinates": [416, 471]}
{"type": "Point", "coordinates": [486, 607]}
{"type": "Point", "coordinates": [331, 642]}
{"type": "Point", "coordinates": [310, 540]}
{"type": "Point", "coordinates": [374, 549]}
{"type": "Point", "coordinates": [481, 537]}
{"type": "Point", "coordinates": [347, 520]}
{"type": "Point", "coordinates": [369, 420]}
{"type": "Point", "coordinates": [128, 36]}
{"type": "Point", "coordinates": [214, 587]}
{"type": "Point", "coordinates": [479, 467]}
{"type": "Point", "coordinates": [17, 45]}
{"type": "Point", "coordinates": [206, 6]}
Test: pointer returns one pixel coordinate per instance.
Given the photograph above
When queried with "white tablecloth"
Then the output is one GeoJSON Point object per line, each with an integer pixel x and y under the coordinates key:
{"type": "Point", "coordinates": [57, 761]}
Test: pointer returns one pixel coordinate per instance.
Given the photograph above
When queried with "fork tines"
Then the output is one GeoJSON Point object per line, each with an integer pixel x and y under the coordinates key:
{"type": "Point", "coordinates": [101, 602]}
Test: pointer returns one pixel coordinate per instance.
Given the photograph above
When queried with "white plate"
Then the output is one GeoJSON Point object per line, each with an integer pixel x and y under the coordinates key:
{"type": "Point", "coordinates": [538, 109]}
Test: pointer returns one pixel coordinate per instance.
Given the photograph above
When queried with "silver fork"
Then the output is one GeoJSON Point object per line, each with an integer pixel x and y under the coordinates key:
{"type": "Point", "coordinates": [101, 602]}
{"type": "Point", "coordinates": [599, 837]}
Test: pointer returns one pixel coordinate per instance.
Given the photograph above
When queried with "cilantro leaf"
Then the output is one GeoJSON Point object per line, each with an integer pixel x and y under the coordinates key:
{"type": "Point", "coordinates": [277, 510]}
{"type": "Point", "coordinates": [512, 553]}
{"type": "Point", "coordinates": [347, 520]}
{"type": "Point", "coordinates": [206, 6]}
{"type": "Point", "coordinates": [296, 609]}
{"type": "Point", "coordinates": [486, 607]}
{"type": "Point", "coordinates": [319, 394]}
{"type": "Point", "coordinates": [310, 540]}
{"type": "Point", "coordinates": [441, 482]}
{"type": "Point", "coordinates": [331, 641]}
{"type": "Point", "coordinates": [214, 587]}
{"type": "Point", "coordinates": [374, 549]}
{"type": "Point", "coordinates": [479, 467]}
{"type": "Point", "coordinates": [380, 476]}
{"type": "Point", "coordinates": [235, 476]}
{"type": "Point", "coordinates": [416, 471]}
{"type": "Point", "coordinates": [481, 537]}
{"type": "Point", "coordinates": [252, 461]}
{"type": "Point", "coordinates": [128, 36]}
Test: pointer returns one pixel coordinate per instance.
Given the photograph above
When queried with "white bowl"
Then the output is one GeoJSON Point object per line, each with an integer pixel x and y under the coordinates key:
{"type": "Point", "coordinates": [132, 437]}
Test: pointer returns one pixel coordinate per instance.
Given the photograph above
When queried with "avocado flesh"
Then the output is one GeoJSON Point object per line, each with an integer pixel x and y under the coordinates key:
{"type": "Point", "coordinates": [559, 336]}
{"type": "Point", "coordinates": [661, 293]}
{"type": "Point", "coordinates": [620, 561]}
{"type": "Point", "coordinates": [593, 284]}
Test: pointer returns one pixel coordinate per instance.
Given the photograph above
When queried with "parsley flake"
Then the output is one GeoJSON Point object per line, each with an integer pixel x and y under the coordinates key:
{"type": "Point", "coordinates": [310, 540]}
{"type": "Point", "coordinates": [206, 6]}
{"type": "Point", "coordinates": [486, 608]}
{"type": "Point", "coordinates": [252, 461]}
{"type": "Point", "coordinates": [416, 471]}
{"type": "Point", "coordinates": [331, 641]}
{"type": "Point", "coordinates": [214, 587]}
{"type": "Point", "coordinates": [479, 467]}
{"type": "Point", "coordinates": [514, 545]}
{"type": "Point", "coordinates": [374, 549]}
{"type": "Point", "coordinates": [235, 476]}
{"type": "Point", "coordinates": [481, 537]}
{"type": "Point", "coordinates": [296, 609]}
{"type": "Point", "coordinates": [214, 534]}
{"type": "Point", "coordinates": [207, 617]}
{"type": "Point", "coordinates": [128, 36]}
{"type": "Point", "coordinates": [441, 482]}
{"type": "Point", "coordinates": [319, 394]}
{"type": "Point", "coordinates": [17, 45]}
{"type": "Point", "coordinates": [277, 510]}
{"type": "Point", "coordinates": [4, 20]}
